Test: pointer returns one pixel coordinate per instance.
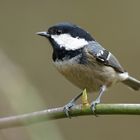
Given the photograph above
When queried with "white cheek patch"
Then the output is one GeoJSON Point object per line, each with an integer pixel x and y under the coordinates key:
{"type": "Point", "coordinates": [69, 42]}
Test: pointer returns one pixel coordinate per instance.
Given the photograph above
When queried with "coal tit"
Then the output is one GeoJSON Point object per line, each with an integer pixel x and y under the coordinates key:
{"type": "Point", "coordinates": [84, 62]}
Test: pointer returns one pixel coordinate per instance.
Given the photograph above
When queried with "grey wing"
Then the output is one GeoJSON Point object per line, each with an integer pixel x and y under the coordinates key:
{"type": "Point", "coordinates": [103, 56]}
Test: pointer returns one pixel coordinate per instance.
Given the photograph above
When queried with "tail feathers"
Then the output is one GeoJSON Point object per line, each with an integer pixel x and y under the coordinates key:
{"type": "Point", "coordinates": [132, 82]}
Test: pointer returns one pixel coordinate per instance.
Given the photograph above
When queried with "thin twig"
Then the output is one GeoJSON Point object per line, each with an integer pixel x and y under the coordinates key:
{"type": "Point", "coordinates": [78, 110]}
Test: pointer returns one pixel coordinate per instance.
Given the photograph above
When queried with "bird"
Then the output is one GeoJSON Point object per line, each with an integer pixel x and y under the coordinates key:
{"type": "Point", "coordinates": [84, 62]}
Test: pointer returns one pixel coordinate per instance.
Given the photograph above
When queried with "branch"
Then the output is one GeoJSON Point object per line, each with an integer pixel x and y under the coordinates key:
{"type": "Point", "coordinates": [78, 110]}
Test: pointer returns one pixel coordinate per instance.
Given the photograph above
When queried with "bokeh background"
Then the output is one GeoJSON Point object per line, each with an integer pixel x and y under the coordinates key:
{"type": "Point", "coordinates": [29, 81]}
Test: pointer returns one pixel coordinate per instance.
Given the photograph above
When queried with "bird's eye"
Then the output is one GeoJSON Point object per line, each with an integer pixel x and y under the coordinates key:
{"type": "Point", "coordinates": [58, 32]}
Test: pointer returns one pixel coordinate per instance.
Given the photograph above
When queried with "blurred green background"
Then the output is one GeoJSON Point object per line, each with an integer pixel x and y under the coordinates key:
{"type": "Point", "coordinates": [29, 81]}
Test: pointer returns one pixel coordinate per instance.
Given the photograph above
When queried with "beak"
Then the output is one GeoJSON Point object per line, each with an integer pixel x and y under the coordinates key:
{"type": "Point", "coordinates": [45, 34]}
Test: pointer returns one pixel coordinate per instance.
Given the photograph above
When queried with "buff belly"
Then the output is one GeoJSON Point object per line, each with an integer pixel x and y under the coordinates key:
{"type": "Point", "coordinates": [89, 77]}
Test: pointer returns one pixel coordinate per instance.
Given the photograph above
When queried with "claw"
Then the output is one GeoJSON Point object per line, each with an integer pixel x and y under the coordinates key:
{"type": "Point", "coordinates": [67, 108]}
{"type": "Point", "coordinates": [93, 105]}
{"type": "Point", "coordinates": [97, 101]}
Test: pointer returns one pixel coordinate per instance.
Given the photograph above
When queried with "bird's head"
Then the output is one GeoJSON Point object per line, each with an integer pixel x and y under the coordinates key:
{"type": "Point", "coordinates": [67, 36]}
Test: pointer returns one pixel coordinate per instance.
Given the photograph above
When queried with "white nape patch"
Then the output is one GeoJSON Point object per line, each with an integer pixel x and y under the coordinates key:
{"type": "Point", "coordinates": [123, 76]}
{"type": "Point", "coordinates": [69, 42]}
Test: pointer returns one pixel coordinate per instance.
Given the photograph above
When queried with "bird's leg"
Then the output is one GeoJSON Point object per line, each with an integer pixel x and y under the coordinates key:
{"type": "Point", "coordinates": [97, 101]}
{"type": "Point", "coordinates": [68, 106]}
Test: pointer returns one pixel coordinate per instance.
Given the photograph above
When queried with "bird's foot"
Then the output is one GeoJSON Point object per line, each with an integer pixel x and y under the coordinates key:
{"type": "Point", "coordinates": [68, 106]}
{"type": "Point", "coordinates": [93, 105]}
{"type": "Point", "coordinates": [97, 101]}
